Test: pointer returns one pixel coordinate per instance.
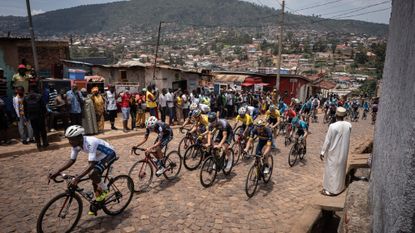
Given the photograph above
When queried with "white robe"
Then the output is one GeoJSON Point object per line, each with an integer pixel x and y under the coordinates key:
{"type": "Point", "coordinates": [335, 150]}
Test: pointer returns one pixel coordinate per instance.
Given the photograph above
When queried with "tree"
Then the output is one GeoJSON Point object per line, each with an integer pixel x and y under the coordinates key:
{"type": "Point", "coordinates": [361, 58]}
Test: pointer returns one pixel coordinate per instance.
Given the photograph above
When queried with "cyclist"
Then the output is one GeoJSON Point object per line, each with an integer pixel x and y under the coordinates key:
{"type": "Point", "coordinates": [201, 123]}
{"type": "Point", "coordinates": [246, 119]}
{"type": "Point", "coordinates": [282, 107]}
{"type": "Point", "coordinates": [189, 119]}
{"type": "Point", "coordinates": [273, 116]}
{"type": "Point", "coordinates": [165, 135]}
{"type": "Point", "coordinates": [306, 110]}
{"type": "Point", "coordinates": [315, 105]}
{"type": "Point", "coordinates": [301, 129]}
{"type": "Point", "coordinates": [224, 136]}
{"type": "Point", "coordinates": [355, 109]}
{"type": "Point", "coordinates": [254, 112]}
{"type": "Point", "coordinates": [365, 107]}
{"type": "Point", "coordinates": [100, 155]}
{"type": "Point", "coordinates": [264, 134]}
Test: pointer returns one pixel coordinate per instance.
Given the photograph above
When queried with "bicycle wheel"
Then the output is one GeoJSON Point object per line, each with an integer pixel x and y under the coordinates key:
{"type": "Point", "coordinates": [251, 182]}
{"type": "Point", "coordinates": [61, 214]}
{"type": "Point", "coordinates": [193, 157]}
{"type": "Point", "coordinates": [208, 172]}
{"type": "Point", "coordinates": [173, 164]}
{"type": "Point", "coordinates": [292, 156]}
{"type": "Point", "coordinates": [121, 190]}
{"type": "Point", "coordinates": [184, 144]}
{"type": "Point", "coordinates": [237, 148]}
{"type": "Point", "coordinates": [226, 170]}
{"type": "Point", "coordinates": [235, 133]}
{"type": "Point", "coordinates": [142, 174]}
{"type": "Point", "coordinates": [287, 141]}
{"type": "Point", "coordinates": [301, 153]}
{"type": "Point", "coordinates": [270, 162]}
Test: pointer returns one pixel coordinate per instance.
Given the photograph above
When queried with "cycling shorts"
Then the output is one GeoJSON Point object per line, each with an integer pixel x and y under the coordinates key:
{"type": "Point", "coordinates": [260, 146]}
{"type": "Point", "coordinates": [101, 165]}
{"type": "Point", "coordinates": [228, 140]}
{"type": "Point", "coordinates": [272, 120]}
{"type": "Point", "coordinates": [165, 139]}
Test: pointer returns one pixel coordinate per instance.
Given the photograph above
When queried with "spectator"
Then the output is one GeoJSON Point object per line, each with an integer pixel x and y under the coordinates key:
{"type": "Point", "coordinates": [125, 108]}
{"type": "Point", "coordinates": [334, 152]}
{"type": "Point", "coordinates": [75, 103]}
{"type": "Point", "coordinates": [89, 120]}
{"type": "Point", "coordinates": [179, 106]}
{"type": "Point", "coordinates": [111, 105]}
{"type": "Point", "coordinates": [52, 110]}
{"type": "Point", "coordinates": [170, 105]}
{"type": "Point", "coordinates": [141, 109]}
{"type": "Point", "coordinates": [35, 112]}
{"type": "Point", "coordinates": [62, 107]}
{"type": "Point", "coordinates": [99, 106]}
{"type": "Point", "coordinates": [25, 129]}
{"type": "Point", "coordinates": [4, 124]}
{"type": "Point", "coordinates": [163, 105]}
{"type": "Point", "coordinates": [186, 104]}
{"type": "Point", "coordinates": [151, 101]}
{"type": "Point", "coordinates": [133, 111]}
{"type": "Point", "coordinates": [21, 78]}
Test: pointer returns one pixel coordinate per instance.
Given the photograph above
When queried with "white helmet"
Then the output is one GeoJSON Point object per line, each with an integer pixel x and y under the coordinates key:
{"type": "Point", "coordinates": [151, 121]}
{"type": "Point", "coordinates": [193, 106]}
{"type": "Point", "coordinates": [74, 131]}
{"type": "Point", "coordinates": [242, 111]}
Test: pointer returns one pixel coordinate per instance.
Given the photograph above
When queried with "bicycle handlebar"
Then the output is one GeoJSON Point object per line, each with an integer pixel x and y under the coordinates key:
{"type": "Point", "coordinates": [134, 150]}
{"type": "Point", "coordinates": [184, 130]}
{"type": "Point", "coordinates": [63, 176]}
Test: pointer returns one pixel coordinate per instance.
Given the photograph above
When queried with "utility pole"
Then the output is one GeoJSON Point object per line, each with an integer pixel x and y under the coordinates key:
{"type": "Point", "coordinates": [32, 36]}
{"type": "Point", "coordinates": [277, 86]}
{"type": "Point", "coordinates": [157, 49]}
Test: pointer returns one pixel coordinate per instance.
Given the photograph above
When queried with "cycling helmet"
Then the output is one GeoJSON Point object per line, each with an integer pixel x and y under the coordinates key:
{"type": "Point", "coordinates": [151, 121]}
{"type": "Point", "coordinates": [196, 113]}
{"type": "Point", "coordinates": [260, 123]}
{"type": "Point", "coordinates": [272, 107]}
{"type": "Point", "coordinates": [74, 131]}
{"type": "Point", "coordinates": [242, 111]}
{"type": "Point", "coordinates": [212, 117]}
{"type": "Point", "coordinates": [193, 106]}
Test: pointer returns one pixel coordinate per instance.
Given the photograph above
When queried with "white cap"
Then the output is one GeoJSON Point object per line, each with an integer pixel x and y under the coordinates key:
{"type": "Point", "coordinates": [340, 111]}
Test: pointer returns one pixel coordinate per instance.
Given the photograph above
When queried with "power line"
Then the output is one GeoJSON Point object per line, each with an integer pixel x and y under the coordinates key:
{"type": "Point", "coordinates": [364, 13]}
{"type": "Point", "coordinates": [357, 8]}
{"type": "Point", "coordinates": [319, 5]}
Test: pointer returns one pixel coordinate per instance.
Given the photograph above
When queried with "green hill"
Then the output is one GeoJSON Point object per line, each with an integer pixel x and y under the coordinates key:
{"type": "Point", "coordinates": [137, 14]}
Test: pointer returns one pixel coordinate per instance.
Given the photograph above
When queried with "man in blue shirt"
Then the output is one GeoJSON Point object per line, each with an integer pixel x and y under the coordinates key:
{"type": "Point", "coordinates": [75, 102]}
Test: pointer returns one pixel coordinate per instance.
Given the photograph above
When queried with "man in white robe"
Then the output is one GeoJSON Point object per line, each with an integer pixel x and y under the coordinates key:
{"type": "Point", "coordinates": [334, 153]}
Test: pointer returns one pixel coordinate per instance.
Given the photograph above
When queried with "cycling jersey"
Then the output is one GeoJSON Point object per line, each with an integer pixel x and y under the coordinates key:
{"type": "Point", "coordinates": [273, 114]}
{"type": "Point", "coordinates": [282, 107]}
{"type": "Point", "coordinates": [265, 134]}
{"type": "Point", "coordinates": [366, 106]}
{"type": "Point", "coordinates": [301, 128]}
{"type": "Point", "coordinates": [254, 112]}
{"type": "Point", "coordinates": [204, 108]}
{"type": "Point", "coordinates": [162, 129]}
{"type": "Point", "coordinates": [222, 125]}
{"type": "Point", "coordinates": [246, 119]}
{"type": "Point", "coordinates": [203, 120]}
{"type": "Point", "coordinates": [97, 149]}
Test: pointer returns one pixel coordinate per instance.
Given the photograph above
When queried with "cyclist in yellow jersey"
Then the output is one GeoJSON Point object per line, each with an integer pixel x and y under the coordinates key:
{"type": "Point", "coordinates": [201, 123]}
{"type": "Point", "coordinates": [273, 116]}
{"type": "Point", "coordinates": [246, 119]}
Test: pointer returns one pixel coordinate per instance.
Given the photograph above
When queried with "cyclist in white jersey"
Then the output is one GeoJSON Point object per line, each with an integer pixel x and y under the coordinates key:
{"type": "Point", "coordinates": [100, 155]}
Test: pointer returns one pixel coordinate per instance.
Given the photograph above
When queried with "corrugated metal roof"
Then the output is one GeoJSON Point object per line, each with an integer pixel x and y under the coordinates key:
{"type": "Point", "coordinates": [230, 77]}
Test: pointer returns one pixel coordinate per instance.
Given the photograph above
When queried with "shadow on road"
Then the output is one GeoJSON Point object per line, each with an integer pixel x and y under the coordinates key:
{"type": "Point", "coordinates": [103, 223]}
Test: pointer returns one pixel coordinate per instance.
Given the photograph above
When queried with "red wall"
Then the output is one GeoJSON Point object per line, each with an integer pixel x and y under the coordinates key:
{"type": "Point", "coordinates": [291, 87]}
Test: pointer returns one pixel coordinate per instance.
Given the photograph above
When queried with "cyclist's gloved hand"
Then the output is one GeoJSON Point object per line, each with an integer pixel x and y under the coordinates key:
{"type": "Point", "coordinates": [75, 181]}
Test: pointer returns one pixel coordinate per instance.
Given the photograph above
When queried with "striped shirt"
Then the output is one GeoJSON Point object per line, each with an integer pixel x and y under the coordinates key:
{"type": "Point", "coordinates": [52, 97]}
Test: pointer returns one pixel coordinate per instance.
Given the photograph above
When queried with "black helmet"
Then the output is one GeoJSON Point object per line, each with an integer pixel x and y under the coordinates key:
{"type": "Point", "coordinates": [212, 117]}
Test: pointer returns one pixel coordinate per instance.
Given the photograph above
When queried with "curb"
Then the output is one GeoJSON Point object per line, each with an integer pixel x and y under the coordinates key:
{"type": "Point", "coordinates": [63, 144]}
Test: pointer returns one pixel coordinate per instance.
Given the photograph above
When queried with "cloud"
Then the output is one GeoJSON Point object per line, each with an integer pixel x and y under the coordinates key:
{"type": "Point", "coordinates": [37, 11]}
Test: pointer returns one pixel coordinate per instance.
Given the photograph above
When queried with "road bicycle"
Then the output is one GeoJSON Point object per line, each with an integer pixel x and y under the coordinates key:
{"type": "Point", "coordinates": [239, 145]}
{"type": "Point", "coordinates": [194, 155]}
{"type": "Point", "coordinates": [187, 140]}
{"type": "Point", "coordinates": [298, 150]}
{"type": "Point", "coordinates": [142, 171]}
{"type": "Point", "coordinates": [364, 115]}
{"type": "Point", "coordinates": [214, 162]}
{"type": "Point", "coordinates": [62, 213]}
{"type": "Point", "coordinates": [374, 117]}
{"type": "Point", "coordinates": [256, 173]}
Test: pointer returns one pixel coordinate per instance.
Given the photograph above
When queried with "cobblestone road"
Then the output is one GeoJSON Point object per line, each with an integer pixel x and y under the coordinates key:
{"type": "Point", "coordinates": [180, 206]}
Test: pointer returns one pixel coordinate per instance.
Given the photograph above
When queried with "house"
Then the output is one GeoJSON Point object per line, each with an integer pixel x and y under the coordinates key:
{"type": "Point", "coordinates": [15, 51]}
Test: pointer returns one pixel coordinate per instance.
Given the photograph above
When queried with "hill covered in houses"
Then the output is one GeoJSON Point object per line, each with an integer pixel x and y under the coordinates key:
{"type": "Point", "coordinates": [144, 14]}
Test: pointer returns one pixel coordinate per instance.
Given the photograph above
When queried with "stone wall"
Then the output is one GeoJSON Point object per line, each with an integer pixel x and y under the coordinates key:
{"type": "Point", "coordinates": [392, 188]}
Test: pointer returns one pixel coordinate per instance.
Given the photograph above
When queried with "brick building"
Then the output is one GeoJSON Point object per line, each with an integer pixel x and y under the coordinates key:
{"type": "Point", "coordinates": [14, 51]}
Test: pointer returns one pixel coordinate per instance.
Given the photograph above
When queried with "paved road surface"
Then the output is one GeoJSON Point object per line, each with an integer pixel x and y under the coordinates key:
{"type": "Point", "coordinates": [181, 206]}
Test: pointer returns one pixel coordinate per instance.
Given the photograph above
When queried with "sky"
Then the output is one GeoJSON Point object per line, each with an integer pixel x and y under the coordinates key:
{"type": "Point", "coordinates": [367, 10]}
